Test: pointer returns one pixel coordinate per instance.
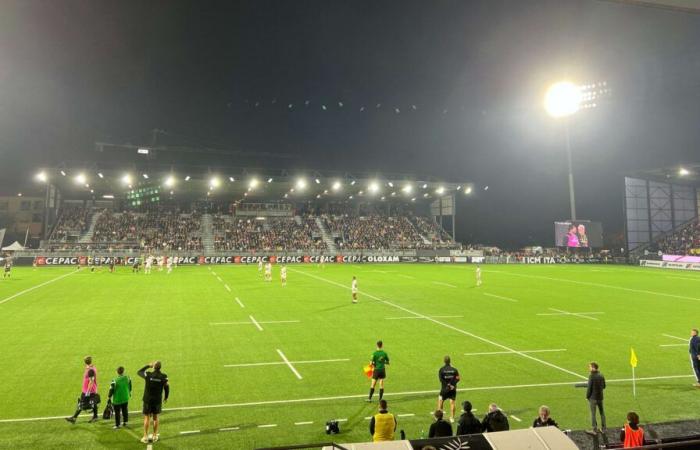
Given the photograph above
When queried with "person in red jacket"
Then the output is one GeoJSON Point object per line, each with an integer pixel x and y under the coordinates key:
{"type": "Point", "coordinates": [632, 435]}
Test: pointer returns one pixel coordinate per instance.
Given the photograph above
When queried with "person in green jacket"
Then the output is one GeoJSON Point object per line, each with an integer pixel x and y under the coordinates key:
{"type": "Point", "coordinates": [119, 393]}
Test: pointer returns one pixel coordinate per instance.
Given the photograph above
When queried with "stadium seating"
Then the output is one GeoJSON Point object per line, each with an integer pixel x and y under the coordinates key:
{"type": "Point", "coordinates": [73, 221]}
{"type": "Point", "coordinates": [272, 233]}
{"type": "Point", "coordinates": [683, 242]}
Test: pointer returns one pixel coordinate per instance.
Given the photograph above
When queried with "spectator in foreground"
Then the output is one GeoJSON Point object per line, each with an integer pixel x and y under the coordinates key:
{"type": "Point", "coordinates": [632, 435]}
{"type": "Point", "coordinates": [383, 424]}
{"type": "Point", "coordinates": [156, 384]}
{"type": "Point", "coordinates": [88, 394]}
{"type": "Point", "coordinates": [594, 395]}
{"type": "Point", "coordinates": [495, 420]}
{"type": "Point", "coordinates": [543, 420]}
{"type": "Point", "coordinates": [439, 428]}
{"type": "Point", "coordinates": [468, 423]}
{"type": "Point", "coordinates": [120, 393]}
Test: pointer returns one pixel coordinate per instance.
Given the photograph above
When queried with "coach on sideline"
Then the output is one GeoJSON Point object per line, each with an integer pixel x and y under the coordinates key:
{"type": "Point", "coordinates": [156, 384]}
{"type": "Point", "coordinates": [694, 350]}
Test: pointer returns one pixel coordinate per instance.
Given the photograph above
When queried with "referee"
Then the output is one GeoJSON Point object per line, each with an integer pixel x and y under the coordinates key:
{"type": "Point", "coordinates": [379, 362]}
{"type": "Point", "coordinates": [156, 384]}
{"type": "Point", "coordinates": [449, 377]}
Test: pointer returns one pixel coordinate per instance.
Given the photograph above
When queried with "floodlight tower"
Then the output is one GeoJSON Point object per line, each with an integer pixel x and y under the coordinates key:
{"type": "Point", "coordinates": [562, 101]}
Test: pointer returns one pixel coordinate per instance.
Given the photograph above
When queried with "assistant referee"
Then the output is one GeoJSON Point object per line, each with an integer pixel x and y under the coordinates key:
{"type": "Point", "coordinates": [379, 361]}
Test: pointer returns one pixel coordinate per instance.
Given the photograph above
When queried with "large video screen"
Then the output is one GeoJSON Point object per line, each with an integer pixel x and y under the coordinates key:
{"type": "Point", "coordinates": [578, 234]}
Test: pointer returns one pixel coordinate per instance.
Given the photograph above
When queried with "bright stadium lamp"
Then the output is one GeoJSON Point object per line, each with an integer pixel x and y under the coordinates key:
{"type": "Point", "coordinates": [468, 190]}
{"type": "Point", "coordinates": [301, 184]}
{"type": "Point", "coordinates": [407, 189]}
{"type": "Point", "coordinates": [41, 176]}
{"type": "Point", "coordinates": [253, 183]}
{"type": "Point", "coordinates": [337, 185]}
{"type": "Point", "coordinates": [145, 176]}
{"type": "Point", "coordinates": [373, 187]}
{"type": "Point", "coordinates": [562, 99]}
{"type": "Point", "coordinates": [126, 179]}
{"type": "Point", "coordinates": [214, 182]}
{"type": "Point", "coordinates": [170, 181]}
{"type": "Point", "coordinates": [683, 172]}
{"type": "Point", "coordinates": [100, 174]}
{"type": "Point", "coordinates": [440, 190]}
{"type": "Point", "coordinates": [81, 178]}
{"type": "Point", "coordinates": [231, 179]}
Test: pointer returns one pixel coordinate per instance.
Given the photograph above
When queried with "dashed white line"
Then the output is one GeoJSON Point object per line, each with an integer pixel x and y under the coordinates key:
{"type": "Point", "coordinates": [567, 313]}
{"type": "Point", "coordinates": [303, 423]}
{"type": "Point", "coordinates": [240, 303]}
{"type": "Point", "coordinates": [289, 364]}
{"type": "Point", "coordinates": [453, 328]}
{"type": "Point", "coordinates": [269, 425]}
{"type": "Point", "coordinates": [515, 418]}
{"type": "Point", "coordinates": [37, 286]}
{"type": "Point", "coordinates": [257, 325]}
{"type": "Point", "coordinates": [521, 351]}
{"type": "Point", "coordinates": [440, 283]}
{"type": "Point", "coordinates": [406, 415]}
{"type": "Point", "coordinates": [190, 432]}
{"type": "Point", "coordinates": [219, 278]}
{"type": "Point", "coordinates": [341, 420]}
{"type": "Point", "coordinates": [227, 288]}
{"type": "Point", "coordinates": [279, 363]}
{"type": "Point", "coordinates": [414, 317]}
{"type": "Point", "coordinates": [261, 322]}
{"type": "Point", "coordinates": [500, 297]}
{"type": "Point", "coordinates": [676, 337]}
{"type": "Point", "coordinates": [213, 273]}
{"type": "Point", "coordinates": [230, 429]}
{"type": "Point", "coordinates": [673, 345]}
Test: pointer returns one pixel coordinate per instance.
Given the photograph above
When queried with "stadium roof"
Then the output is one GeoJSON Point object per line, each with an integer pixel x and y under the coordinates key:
{"type": "Point", "coordinates": [682, 174]}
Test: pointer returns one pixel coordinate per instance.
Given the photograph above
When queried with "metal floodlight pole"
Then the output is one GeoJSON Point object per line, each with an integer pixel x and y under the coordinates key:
{"type": "Point", "coordinates": [572, 195]}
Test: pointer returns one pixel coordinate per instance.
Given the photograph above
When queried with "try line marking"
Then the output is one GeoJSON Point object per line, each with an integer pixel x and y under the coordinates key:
{"type": "Point", "coordinates": [276, 363]}
{"type": "Point", "coordinates": [291, 367]}
{"type": "Point", "coordinates": [453, 328]}
{"type": "Point", "coordinates": [364, 395]}
{"type": "Point", "coordinates": [37, 286]}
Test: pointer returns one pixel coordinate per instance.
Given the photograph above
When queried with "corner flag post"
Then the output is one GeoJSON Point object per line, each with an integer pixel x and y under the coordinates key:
{"type": "Point", "coordinates": [633, 363]}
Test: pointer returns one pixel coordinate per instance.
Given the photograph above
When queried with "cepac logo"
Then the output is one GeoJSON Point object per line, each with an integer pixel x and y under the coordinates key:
{"type": "Point", "coordinates": [40, 260]}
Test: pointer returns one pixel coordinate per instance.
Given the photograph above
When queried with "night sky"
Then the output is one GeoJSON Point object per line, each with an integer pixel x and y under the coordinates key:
{"type": "Point", "coordinates": [76, 72]}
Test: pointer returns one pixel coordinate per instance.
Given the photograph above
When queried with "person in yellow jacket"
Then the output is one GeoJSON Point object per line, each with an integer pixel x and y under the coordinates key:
{"type": "Point", "coordinates": [383, 424]}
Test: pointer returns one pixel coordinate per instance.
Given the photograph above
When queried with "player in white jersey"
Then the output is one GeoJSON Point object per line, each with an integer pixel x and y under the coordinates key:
{"type": "Point", "coordinates": [170, 264]}
{"type": "Point", "coordinates": [283, 275]}
{"type": "Point", "coordinates": [260, 266]}
{"type": "Point", "coordinates": [268, 271]}
{"type": "Point", "coordinates": [148, 264]}
{"type": "Point", "coordinates": [161, 263]}
{"type": "Point", "coordinates": [353, 288]}
{"type": "Point", "coordinates": [478, 275]}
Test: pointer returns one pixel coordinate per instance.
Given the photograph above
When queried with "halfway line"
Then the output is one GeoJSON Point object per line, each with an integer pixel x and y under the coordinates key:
{"type": "Point", "coordinates": [279, 363]}
{"type": "Point", "coordinates": [676, 337]}
{"type": "Point", "coordinates": [521, 351]}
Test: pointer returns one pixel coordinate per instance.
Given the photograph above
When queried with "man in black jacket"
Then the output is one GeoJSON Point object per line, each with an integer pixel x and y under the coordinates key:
{"type": "Point", "coordinates": [468, 424]}
{"type": "Point", "coordinates": [439, 428]}
{"type": "Point", "coordinates": [694, 351]}
{"type": "Point", "coordinates": [156, 384]}
{"type": "Point", "coordinates": [495, 420]}
{"type": "Point", "coordinates": [594, 395]}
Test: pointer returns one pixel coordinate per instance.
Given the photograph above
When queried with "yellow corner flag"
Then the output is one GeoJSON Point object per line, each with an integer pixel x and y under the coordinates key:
{"type": "Point", "coordinates": [633, 358]}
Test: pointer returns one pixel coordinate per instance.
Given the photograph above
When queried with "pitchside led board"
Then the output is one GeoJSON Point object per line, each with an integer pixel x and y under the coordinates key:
{"type": "Point", "coordinates": [578, 234]}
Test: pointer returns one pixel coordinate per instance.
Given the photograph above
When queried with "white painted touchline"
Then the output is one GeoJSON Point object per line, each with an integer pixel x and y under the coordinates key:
{"type": "Point", "coordinates": [270, 425]}
{"type": "Point", "coordinates": [444, 284]}
{"type": "Point", "coordinates": [240, 303]}
{"type": "Point", "coordinates": [189, 432]}
{"type": "Point", "coordinates": [512, 353]}
{"type": "Point", "coordinates": [676, 337]}
{"type": "Point", "coordinates": [229, 429]}
{"type": "Point", "coordinates": [261, 322]}
{"type": "Point", "coordinates": [567, 314]}
{"type": "Point", "coordinates": [303, 423]}
{"type": "Point", "coordinates": [255, 323]}
{"type": "Point", "coordinates": [515, 418]}
{"type": "Point", "coordinates": [364, 395]}
{"type": "Point", "coordinates": [227, 288]}
{"type": "Point", "coordinates": [279, 363]}
{"type": "Point", "coordinates": [414, 317]}
{"type": "Point", "coordinates": [446, 325]}
{"type": "Point", "coordinates": [406, 415]}
{"type": "Point", "coordinates": [673, 345]}
{"type": "Point", "coordinates": [37, 286]}
{"type": "Point", "coordinates": [500, 297]}
{"type": "Point", "coordinates": [289, 364]}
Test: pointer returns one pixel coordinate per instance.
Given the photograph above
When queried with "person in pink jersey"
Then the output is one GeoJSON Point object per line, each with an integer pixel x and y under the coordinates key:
{"type": "Point", "coordinates": [88, 392]}
{"type": "Point", "coordinates": [572, 237]}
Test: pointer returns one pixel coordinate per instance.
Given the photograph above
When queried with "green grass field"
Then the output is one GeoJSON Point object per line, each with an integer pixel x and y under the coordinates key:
{"type": "Point", "coordinates": [193, 322]}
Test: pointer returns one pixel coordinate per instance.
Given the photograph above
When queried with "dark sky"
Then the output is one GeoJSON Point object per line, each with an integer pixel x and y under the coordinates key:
{"type": "Point", "coordinates": [75, 72]}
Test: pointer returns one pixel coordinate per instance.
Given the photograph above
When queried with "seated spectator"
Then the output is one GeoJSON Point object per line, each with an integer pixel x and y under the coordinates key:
{"type": "Point", "coordinates": [495, 420]}
{"type": "Point", "coordinates": [632, 435]}
{"type": "Point", "coordinates": [468, 423]}
{"type": "Point", "coordinates": [439, 428]}
{"type": "Point", "coordinates": [543, 420]}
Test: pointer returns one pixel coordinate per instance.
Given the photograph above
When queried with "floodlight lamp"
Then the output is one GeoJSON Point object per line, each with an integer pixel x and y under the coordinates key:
{"type": "Point", "coordinates": [41, 176]}
{"type": "Point", "coordinates": [683, 172]}
{"type": "Point", "coordinates": [562, 99]}
{"type": "Point", "coordinates": [440, 190]}
{"type": "Point", "coordinates": [269, 180]}
{"type": "Point", "coordinates": [80, 178]}
{"type": "Point", "coordinates": [350, 197]}
{"type": "Point", "coordinates": [188, 178]}
{"type": "Point", "coordinates": [126, 179]}
{"type": "Point", "coordinates": [19, 194]}
{"type": "Point", "coordinates": [390, 184]}
{"type": "Point", "coordinates": [407, 189]}
{"type": "Point", "coordinates": [373, 187]}
{"type": "Point", "coordinates": [145, 176]}
{"type": "Point", "coordinates": [425, 195]}
{"type": "Point", "coordinates": [108, 196]}
{"type": "Point", "coordinates": [253, 183]}
{"type": "Point", "coordinates": [231, 179]}
{"type": "Point", "coordinates": [468, 190]}
{"type": "Point", "coordinates": [99, 174]}
{"type": "Point", "coordinates": [143, 151]}
{"type": "Point", "coordinates": [214, 182]}
{"type": "Point", "coordinates": [63, 173]}
{"type": "Point", "coordinates": [337, 185]}
{"type": "Point", "coordinates": [317, 181]}
{"type": "Point", "coordinates": [170, 181]}
{"type": "Point", "coordinates": [425, 185]}
{"type": "Point", "coordinates": [352, 183]}
{"type": "Point", "coordinates": [413, 199]}
{"type": "Point", "coordinates": [301, 183]}
{"type": "Point", "coordinates": [383, 198]}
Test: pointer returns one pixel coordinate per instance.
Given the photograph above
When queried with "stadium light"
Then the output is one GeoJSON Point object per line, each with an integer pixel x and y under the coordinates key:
{"type": "Point", "coordinates": [188, 178]}
{"type": "Point", "coordinates": [214, 182]}
{"type": "Point", "coordinates": [425, 186]}
{"type": "Point", "coordinates": [99, 174]}
{"type": "Point", "coordinates": [301, 184]}
{"type": "Point", "coordinates": [337, 185]}
{"type": "Point", "coordinates": [317, 181]}
{"type": "Point", "coordinates": [108, 196]}
{"type": "Point", "coordinates": [407, 189]}
{"type": "Point", "coordinates": [390, 184]}
{"type": "Point", "coordinates": [63, 173]}
{"type": "Point", "coordinates": [19, 194]}
{"type": "Point", "coordinates": [350, 197]}
{"type": "Point", "coordinates": [269, 180]}
{"type": "Point", "coordinates": [81, 178]}
{"type": "Point", "coordinates": [373, 187]}
{"type": "Point", "coordinates": [126, 179]}
{"type": "Point", "coordinates": [41, 176]}
{"type": "Point", "coordinates": [170, 181]}
{"type": "Point", "coordinates": [231, 179]}
{"type": "Point", "coordinates": [440, 190]}
{"type": "Point", "coordinates": [253, 183]}
{"type": "Point", "coordinates": [413, 199]}
{"type": "Point", "coordinates": [425, 195]}
{"type": "Point", "coordinates": [562, 99]}
{"type": "Point", "coordinates": [683, 172]}
{"type": "Point", "coordinates": [145, 176]}
{"type": "Point", "coordinates": [352, 183]}
{"type": "Point", "coordinates": [468, 190]}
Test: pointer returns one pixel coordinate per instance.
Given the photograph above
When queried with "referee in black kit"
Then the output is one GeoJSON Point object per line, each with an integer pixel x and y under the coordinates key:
{"type": "Point", "coordinates": [449, 377]}
{"type": "Point", "coordinates": [156, 384]}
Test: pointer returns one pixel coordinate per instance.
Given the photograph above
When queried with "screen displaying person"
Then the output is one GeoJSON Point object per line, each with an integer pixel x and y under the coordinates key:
{"type": "Point", "coordinates": [582, 237]}
{"type": "Point", "coordinates": [572, 236]}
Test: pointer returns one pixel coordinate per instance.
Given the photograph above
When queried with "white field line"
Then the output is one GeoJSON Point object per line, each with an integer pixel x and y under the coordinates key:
{"type": "Point", "coordinates": [676, 337]}
{"type": "Point", "coordinates": [444, 284]}
{"type": "Point", "coordinates": [363, 395]}
{"type": "Point", "coordinates": [213, 273]}
{"type": "Point", "coordinates": [219, 278]}
{"type": "Point", "coordinates": [341, 420]}
{"type": "Point", "coordinates": [515, 418]}
{"type": "Point", "coordinates": [673, 345]}
{"type": "Point", "coordinates": [408, 277]}
{"type": "Point", "coordinates": [190, 432]}
{"type": "Point", "coordinates": [279, 363]}
{"type": "Point", "coordinates": [500, 297]}
{"type": "Point", "coordinates": [567, 313]}
{"type": "Point", "coordinates": [289, 364]}
{"type": "Point", "coordinates": [608, 286]}
{"type": "Point", "coordinates": [261, 322]}
{"type": "Point", "coordinates": [405, 415]}
{"type": "Point", "coordinates": [240, 303]}
{"type": "Point", "coordinates": [230, 429]}
{"type": "Point", "coordinates": [37, 286]}
{"type": "Point", "coordinates": [453, 328]}
{"type": "Point", "coordinates": [303, 423]}
{"type": "Point", "coordinates": [414, 317]}
{"type": "Point", "coordinates": [685, 278]}
{"type": "Point", "coordinates": [521, 351]}
{"type": "Point", "coordinates": [270, 425]}
{"type": "Point", "coordinates": [227, 288]}
{"type": "Point", "coordinates": [252, 319]}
